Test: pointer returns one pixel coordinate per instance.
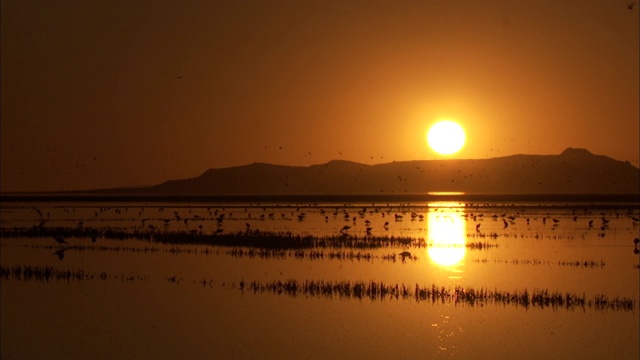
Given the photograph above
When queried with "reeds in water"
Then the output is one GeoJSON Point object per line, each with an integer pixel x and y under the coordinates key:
{"type": "Point", "coordinates": [49, 273]}
{"type": "Point", "coordinates": [250, 239]}
{"type": "Point", "coordinates": [541, 299]}
{"type": "Point", "coordinates": [360, 290]}
{"type": "Point", "coordinates": [587, 264]}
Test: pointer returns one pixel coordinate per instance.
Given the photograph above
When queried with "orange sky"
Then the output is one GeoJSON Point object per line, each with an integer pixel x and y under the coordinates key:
{"type": "Point", "coordinates": [122, 94]}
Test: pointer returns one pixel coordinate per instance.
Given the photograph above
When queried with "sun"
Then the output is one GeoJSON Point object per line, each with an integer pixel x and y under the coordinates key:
{"type": "Point", "coordinates": [446, 137]}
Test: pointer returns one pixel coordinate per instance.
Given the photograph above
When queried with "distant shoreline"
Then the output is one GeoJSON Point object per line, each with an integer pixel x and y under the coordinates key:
{"type": "Point", "coordinates": [307, 199]}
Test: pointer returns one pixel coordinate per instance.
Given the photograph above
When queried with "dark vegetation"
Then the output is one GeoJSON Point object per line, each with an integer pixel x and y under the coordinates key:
{"type": "Point", "coordinates": [360, 290]}
{"type": "Point", "coordinates": [250, 239]}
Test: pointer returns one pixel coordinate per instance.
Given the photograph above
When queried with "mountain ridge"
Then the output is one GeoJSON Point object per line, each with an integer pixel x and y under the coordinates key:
{"type": "Point", "coordinates": [574, 171]}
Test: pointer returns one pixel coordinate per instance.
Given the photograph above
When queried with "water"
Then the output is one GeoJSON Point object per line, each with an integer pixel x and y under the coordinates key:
{"type": "Point", "coordinates": [138, 297]}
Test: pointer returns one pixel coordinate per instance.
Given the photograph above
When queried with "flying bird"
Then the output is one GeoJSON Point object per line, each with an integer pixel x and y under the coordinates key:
{"type": "Point", "coordinates": [345, 228]}
{"type": "Point", "coordinates": [631, 5]}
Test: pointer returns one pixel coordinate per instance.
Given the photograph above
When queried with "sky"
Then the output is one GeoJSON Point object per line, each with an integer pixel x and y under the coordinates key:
{"type": "Point", "coordinates": [103, 94]}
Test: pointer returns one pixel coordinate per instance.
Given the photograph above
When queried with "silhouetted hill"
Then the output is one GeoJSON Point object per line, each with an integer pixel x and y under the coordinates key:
{"type": "Point", "coordinates": [575, 171]}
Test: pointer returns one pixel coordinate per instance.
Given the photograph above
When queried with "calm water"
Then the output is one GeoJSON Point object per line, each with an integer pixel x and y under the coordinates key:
{"type": "Point", "coordinates": [139, 298]}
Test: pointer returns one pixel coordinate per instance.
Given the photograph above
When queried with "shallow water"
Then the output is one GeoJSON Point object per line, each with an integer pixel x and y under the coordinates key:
{"type": "Point", "coordinates": [142, 298]}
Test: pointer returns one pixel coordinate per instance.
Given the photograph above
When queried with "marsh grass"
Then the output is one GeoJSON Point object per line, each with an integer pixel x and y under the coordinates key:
{"type": "Point", "coordinates": [356, 290]}
{"type": "Point", "coordinates": [249, 239]}
{"type": "Point", "coordinates": [49, 273]}
{"type": "Point", "coordinates": [541, 299]}
{"type": "Point", "coordinates": [590, 264]}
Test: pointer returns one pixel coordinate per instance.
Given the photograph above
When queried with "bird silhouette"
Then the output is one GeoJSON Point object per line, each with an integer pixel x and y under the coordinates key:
{"type": "Point", "coordinates": [345, 228]}
{"type": "Point", "coordinates": [405, 254]}
{"type": "Point", "coordinates": [631, 5]}
{"type": "Point", "coordinates": [60, 253]}
{"type": "Point", "coordinates": [60, 240]}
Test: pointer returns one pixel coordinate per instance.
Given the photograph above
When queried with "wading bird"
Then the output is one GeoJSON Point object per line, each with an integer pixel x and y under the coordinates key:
{"type": "Point", "coordinates": [60, 253]}
{"type": "Point", "coordinates": [60, 240]}
{"type": "Point", "coordinates": [404, 255]}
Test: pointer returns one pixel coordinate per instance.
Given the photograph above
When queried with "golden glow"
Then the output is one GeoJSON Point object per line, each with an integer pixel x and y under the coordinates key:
{"type": "Point", "coordinates": [446, 238]}
{"type": "Point", "coordinates": [446, 137]}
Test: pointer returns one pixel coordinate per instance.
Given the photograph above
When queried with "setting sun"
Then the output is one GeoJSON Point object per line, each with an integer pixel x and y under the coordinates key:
{"type": "Point", "coordinates": [446, 137]}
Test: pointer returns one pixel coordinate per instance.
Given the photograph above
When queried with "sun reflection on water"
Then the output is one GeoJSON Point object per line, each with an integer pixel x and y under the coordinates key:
{"type": "Point", "coordinates": [446, 238]}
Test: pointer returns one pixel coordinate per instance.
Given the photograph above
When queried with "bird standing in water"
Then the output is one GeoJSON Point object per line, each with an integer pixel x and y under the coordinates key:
{"type": "Point", "coordinates": [60, 253]}
{"type": "Point", "coordinates": [60, 240]}
{"type": "Point", "coordinates": [405, 254]}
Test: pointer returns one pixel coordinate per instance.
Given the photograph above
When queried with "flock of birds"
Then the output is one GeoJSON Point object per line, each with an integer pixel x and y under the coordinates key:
{"type": "Point", "coordinates": [220, 217]}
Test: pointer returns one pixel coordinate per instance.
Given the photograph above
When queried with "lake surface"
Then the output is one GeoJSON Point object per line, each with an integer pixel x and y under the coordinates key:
{"type": "Point", "coordinates": [172, 279]}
